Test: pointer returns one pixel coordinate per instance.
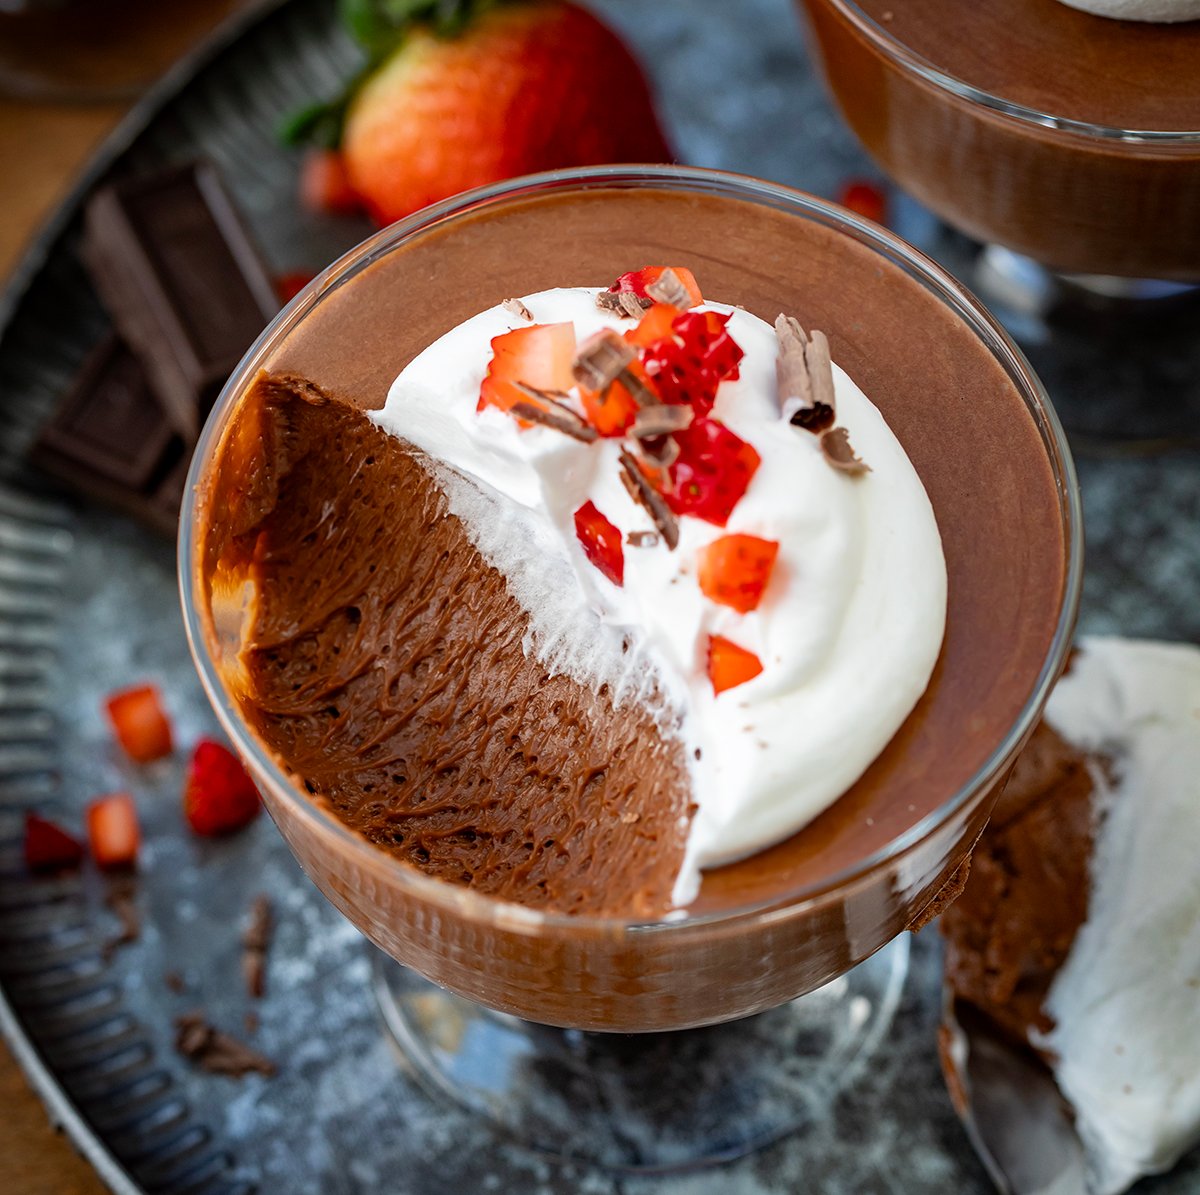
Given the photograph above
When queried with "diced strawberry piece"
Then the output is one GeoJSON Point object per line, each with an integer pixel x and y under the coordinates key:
{"type": "Point", "coordinates": [601, 542]}
{"type": "Point", "coordinates": [864, 199]}
{"type": "Point", "coordinates": [656, 324]}
{"type": "Point", "coordinates": [48, 847]}
{"type": "Point", "coordinates": [730, 665]}
{"type": "Point", "coordinates": [636, 281]}
{"type": "Point", "coordinates": [712, 472]}
{"type": "Point", "coordinates": [113, 834]}
{"type": "Point", "coordinates": [735, 569]}
{"type": "Point", "coordinates": [540, 355]}
{"type": "Point", "coordinates": [325, 185]}
{"type": "Point", "coordinates": [218, 796]}
{"type": "Point", "coordinates": [611, 411]}
{"type": "Point", "coordinates": [140, 723]}
{"type": "Point", "coordinates": [288, 286]}
{"type": "Point", "coordinates": [690, 365]}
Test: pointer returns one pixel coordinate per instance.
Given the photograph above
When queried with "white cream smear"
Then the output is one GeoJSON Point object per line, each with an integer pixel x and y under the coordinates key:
{"type": "Point", "coordinates": [1140, 10]}
{"type": "Point", "coordinates": [848, 630]}
{"type": "Point", "coordinates": [1126, 1001]}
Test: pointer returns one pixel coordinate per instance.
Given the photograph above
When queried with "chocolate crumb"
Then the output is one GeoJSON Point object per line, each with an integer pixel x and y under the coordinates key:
{"type": "Point", "coordinates": [667, 288]}
{"type": "Point", "coordinates": [516, 307]}
{"type": "Point", "coordinates": [804, 376]}
{"type": "Point", "coordinates": [549, 412]}
{"type": "Point", "coordinates": [601, 358]}
{"type": "Point", "coordinates": [624, 303]}
{"type": "Point", "coordinates": [217, 1052]}
{"type": "Point", "coordinates": [250, 1022]}
{"type": "Point", "coordinates": [120, 899]}
{"type": "Point", "coordinates": [175, 982]}
{"type": "Point", "coordinates": [255, 940]}
{"type": "Point", "coordinates": [835, 444]}
{"type": "Point", "coordinates": [660, 420]}
{"type": "Point", "coordinates": [642, 539]}
{"type": "Point", "coordinates": [697, 753]}
{"type": "Point", "coordinates": [645, 495]}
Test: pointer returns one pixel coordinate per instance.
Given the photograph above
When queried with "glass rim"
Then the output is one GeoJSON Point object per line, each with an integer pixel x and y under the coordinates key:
{"type": "Point", "coordinates": [490, 909]}
{"type": "Point", "coordinates": [919, 65]}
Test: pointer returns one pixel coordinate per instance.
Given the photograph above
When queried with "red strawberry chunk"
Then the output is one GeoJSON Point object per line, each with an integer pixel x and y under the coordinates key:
{"type": "Point", "coordinates": [540, 355]}
{"type": "Point", "coordinates": [690, 365]}
{"type": "Point", "coordinates": [735, 569]}
{"type": "Point", "coordinates": [288, 286]}
{"type": "Point", "coordinates": [49, 847]}
{"type": "Point", "coordinates": [113, 834]}
{"type": "Point", "coordinates": [714, 468]}
{"type": "Point", "coordinates": [611, 411]}
{"type": "Point", "coordinates": [730, 665]}
{"type": "Point", "coordinates": [218, 796]}
{"type": "Point", "coordinates": [325, 185]}
{"type": "Point", "coordinates": [140, 723]}
{"type": "Point", "coordinates": [865, 199]}
{"type": "Point", "coordinates": [601, 542]}
{"type": "Point", "coordinates": [636, 281]}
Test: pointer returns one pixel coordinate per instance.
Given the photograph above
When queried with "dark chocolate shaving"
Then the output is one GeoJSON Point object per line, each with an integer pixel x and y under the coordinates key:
{"type": "Point", "coordinates": [549, 412]}
{"type": "Point", "coordinates": [120, 900]}
{"type": "Point", "coordinates": [804, 376]}
{"type": "Point", "coordinates": [660, 420]}
{"type": "Point", "coordinates": [642, 539]}
{"type": "Point", "coordinates": [661, 451]}
{"type": "Point", "coordinates": [516, 307]}
{"type": "Point", "coordinates": [255, 941]}
{"type": "Point", "coordinates": [601, 358]}
{"type": "Point", "coordinates": [175, 983]}
{"type": "Point", "coordinates": [217, 1052]}
{"type": "Point", "coordinates": [667, 288]}
{"type": "Point", "coordinates": [835, 444]}
{"type": "Point", "coordinates": [624, 303]}
{"type": "Point", "coordinates": [638, 390]}
{"type": "Point", "coordinates": [645, 495]}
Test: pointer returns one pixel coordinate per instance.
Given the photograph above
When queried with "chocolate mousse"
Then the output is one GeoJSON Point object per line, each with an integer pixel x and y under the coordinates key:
{"type": "Point", "coordinates": [1005, 118]}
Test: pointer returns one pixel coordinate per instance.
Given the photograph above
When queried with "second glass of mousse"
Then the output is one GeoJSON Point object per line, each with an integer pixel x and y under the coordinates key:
{"type": "Point", "coordinates": [477, 810]}
{"type": "Point", "coordinates": [1066, 136]}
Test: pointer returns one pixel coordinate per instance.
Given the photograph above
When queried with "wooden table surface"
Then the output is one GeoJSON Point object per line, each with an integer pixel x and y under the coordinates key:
{"type": "Point", "coordinates": [42, 146]}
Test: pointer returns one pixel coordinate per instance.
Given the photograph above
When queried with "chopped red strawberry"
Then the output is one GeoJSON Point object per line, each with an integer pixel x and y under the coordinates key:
{"type": "Point", "coordinates": [540, 355]}
{"type": "Point", "coordinates": [140, 723]}
{"type": "Point", "coordinates": [735, 569]}
{"type": "Point", "coordinates": [288, 286]}
{"type": "Point", "coordinates": [689, 366]}
{"type": "Point", "coordinates": [656, 324]}
{"type": "Point", "coordinates": [601, 542]}
{"type": "Point", "coordinates": [865, 199]}
{"type": "Point", "coordinates": [730, 665]}
{"type": "Point", "coordinates": [712, 472]}
{"type": "Point", "coordinates": [325, 185]}
{"type": "Point", "coordinates": [218, 796]}
{"type": "Point", "coordinates": [48, 847]}
{"type": "Point", "coordinates": [636, 281]}
{"type": "Point", "coordinates": [113, 834]}
{"type": "Point", "coordinates": [610, 411]}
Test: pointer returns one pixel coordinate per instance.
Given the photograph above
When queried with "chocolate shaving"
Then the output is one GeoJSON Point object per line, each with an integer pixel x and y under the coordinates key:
{"type": "Point", "coordinates": [255, 941]}
{"type": "Point", "coordinates": [667, 288]}
{"type": "Point", "coordinates": [645, 495]}
{"type": "Point", "coordinates": [638, 390]}
{"type": "Point", "coordinates": [660, 420]}
{"type": "Point", "coordinates": [217, 1052]}
{"type": "Point", "coordinates": [661, 451]}
{"type": "Point", "coordinates": [804, 376]}
{"type": "Point", "coordinates": [550, 413]}
{"type": "Point", "coordinates": [624, 303]}
{"type": "Point", "coordinates": [601, 359]}
{"type": "Point", "coordinates": [516, 307]}
{"type": "Point", "coordinates": [175, 982]}
{"type": "Point", "coordinates": [642, 539]}
{"type": "Point", "coordinates": [835, 444]}
{"type": "Point", "coordinates": [120, 900]}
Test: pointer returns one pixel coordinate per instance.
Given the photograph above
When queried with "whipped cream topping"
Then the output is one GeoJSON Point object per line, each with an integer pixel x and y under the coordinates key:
{"type": "Point", "coordinates": [848, 630]}
{"type": "Point", "coordinates": [1126, 1001]}
{"type": "Point", "coordinates": [1164, 11]}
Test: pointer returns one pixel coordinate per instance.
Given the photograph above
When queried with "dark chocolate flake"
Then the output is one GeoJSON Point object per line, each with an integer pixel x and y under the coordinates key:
{"type": "Point", "coordinates": [660, 420]}
{"type": "Point", "coordinates": [624, 303]}
{"type": "Point", "coordinates": [255, 940]}
{"type": "Point", "coordinates": [638, 390]}
{"type": "Point", "coordinates": [516, 307]}
{"type": "Point", "coordinates": [601, 359]}
{"type": "Point", "coordinates": [645, 495]}
{"type": "Point", "coordinates": [835, 444]}
{"type": "Point", "coordinates": [549, 412]}
{"type": "Point", "coordinates": [642, 539]}
{"type": "Point", "coordinates": [217, 1052]}
{"type": "Point", "coordinates": [667, 288]}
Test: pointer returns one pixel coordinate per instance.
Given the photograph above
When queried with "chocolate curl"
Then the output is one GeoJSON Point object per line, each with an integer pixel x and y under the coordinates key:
{"type": "Point", "coordinates": [255, 941]}
{"type": "Point", "coordinates": [804, 375]}
{"type": "Point", "coordinates": [549, 412]}
{"type": "Point", "coordinates": [667, 288]}
{"type": "Point", "coordinates": [835, 444]}
{"type": "Point", "coordinates": [645, 495]}
{"type": "Point", "coordinates": [217, 1052]}
{"type": "Point", "coordinates": [601, 359]}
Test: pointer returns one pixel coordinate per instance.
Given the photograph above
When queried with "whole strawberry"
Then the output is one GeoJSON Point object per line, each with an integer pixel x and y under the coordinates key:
{"type": "Point", "coordinates": [218, 795]}
{"type": "Point", "coordinates": [469, 92]}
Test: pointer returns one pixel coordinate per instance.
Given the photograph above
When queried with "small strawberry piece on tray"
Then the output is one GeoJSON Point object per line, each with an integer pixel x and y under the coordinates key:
{"type": "Point", "coordinates": [218, 797]}
{"type": "Point", "coordinates": [601, 542]}
{"type": "Point", "coordinates": [113, 834]}
{"type": "Point", "coordinates": [540, 356]}
{"type": "Point", "coordinates": [48, 847]}
{"type": "Point", "coordinates": [714, 468]}
{"type": "Point", "coordinates": [864, 199]}
{"type": "Point", "coordinates": [730, 665]}
{"type": "Point", "coordinates": [140, 723]}
{"type": "Point", "coordinates": [325, 185]}
{"type": "Point", "coordinates": [735, 569]}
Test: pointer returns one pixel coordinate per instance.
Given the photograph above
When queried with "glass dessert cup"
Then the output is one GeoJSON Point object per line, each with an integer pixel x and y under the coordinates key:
{"type": "Point", "coordinates": [797, 918]}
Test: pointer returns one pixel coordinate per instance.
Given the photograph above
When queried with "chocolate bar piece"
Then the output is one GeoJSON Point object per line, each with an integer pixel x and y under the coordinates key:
{"type": "Point", "coordinates": [183, 282]}
{"type": "Point", "coordinates": [109, 440]}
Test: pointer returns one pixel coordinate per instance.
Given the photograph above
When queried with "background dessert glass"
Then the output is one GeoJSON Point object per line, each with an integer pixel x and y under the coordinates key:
{"type": "Point", "coordinates": [565, 1090]}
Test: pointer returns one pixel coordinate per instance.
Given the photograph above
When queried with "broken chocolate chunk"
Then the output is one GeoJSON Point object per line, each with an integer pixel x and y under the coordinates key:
{"type": "Point", "coordinates": [545, 409]}
{"type": "Point", "coordinates": [601, 359]}
{"type": "Point", "coordinates": [638, 390]}
{"type": "Point", "coordinates": [835, 444]}
{"type": "Point", "coordinates": [624, 303]}
{"type": "Point", "coordinates": [638, 486]}
{"type": "Point", "coordinates": [667, 288]}
{"type": "Point", "coordinates": [804, 376]}
{"type": "Point", "coordinates": [255, 941]}
{"type": "Point", "coordinates": [516, 307]}
{"type": "Point", "coordinates": [217, 1052]}
{"type": "Point", "coordinates": [660, 420]}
